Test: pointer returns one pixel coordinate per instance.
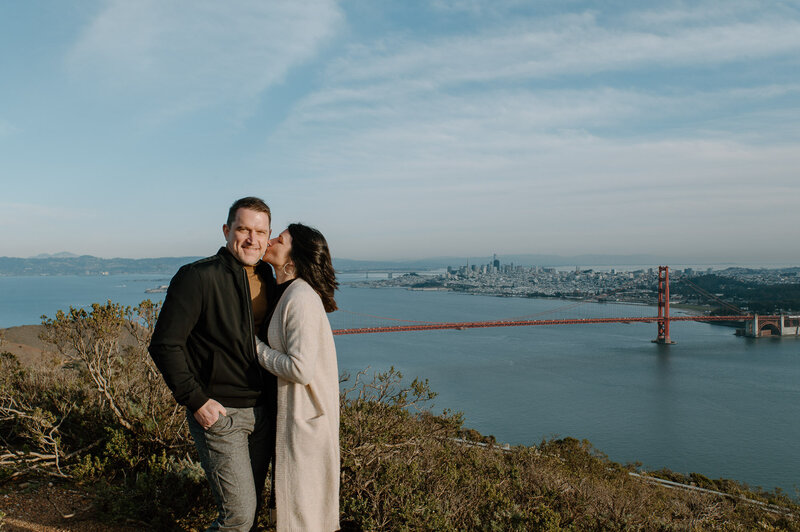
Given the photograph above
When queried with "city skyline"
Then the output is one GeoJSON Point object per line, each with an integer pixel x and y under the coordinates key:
{"type": "Point", "coordinates": [404, 130]}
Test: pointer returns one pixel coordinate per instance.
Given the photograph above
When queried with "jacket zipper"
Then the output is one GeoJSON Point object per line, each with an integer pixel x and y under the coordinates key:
{"type": "Point", "coordinates": [249, 303]}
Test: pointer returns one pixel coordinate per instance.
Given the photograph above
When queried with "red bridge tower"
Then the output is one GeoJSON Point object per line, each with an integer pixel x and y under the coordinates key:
{"type": "Point", "coordinates": [663, 306]}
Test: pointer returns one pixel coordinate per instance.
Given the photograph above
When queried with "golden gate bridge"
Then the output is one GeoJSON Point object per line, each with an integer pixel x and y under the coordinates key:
{"type": "Point", "coordinates": [754, 325]}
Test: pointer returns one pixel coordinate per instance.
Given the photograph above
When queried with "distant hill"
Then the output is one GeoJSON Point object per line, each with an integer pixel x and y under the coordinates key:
{"type": "Point", "coordinates": [61, 255]}
{"type": "Point", "coordinates": [69, 264]}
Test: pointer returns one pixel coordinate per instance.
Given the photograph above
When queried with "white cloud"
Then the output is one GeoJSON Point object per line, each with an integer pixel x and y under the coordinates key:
{"type": "Point", "coordinates": [384, 133]}
{"type": "Point", "coordinates": [459, 109]}
{"type": "Point", "coordinates": [533, 133]}
{"type": "Point", "coordinates": [412, 109]}
{"type": "Point", "coordinates": [661, 15]}
{"type": "Point", "coordinates": [6, 128]}
{"type": "Point", "coordinates": [576, 45]}
{"type": "Point", "coordinates": [551, 171]}
{"type": "Point", "coordinates": [481, 8]}
{"type": "Point", "coordinates": [470, 184]}
{"type": "Point", "coordinates": [191, 54]}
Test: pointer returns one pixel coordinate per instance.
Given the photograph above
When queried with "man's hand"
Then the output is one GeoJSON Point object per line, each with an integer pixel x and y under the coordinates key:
{"type": "Point", "coordinates": [209, 413]}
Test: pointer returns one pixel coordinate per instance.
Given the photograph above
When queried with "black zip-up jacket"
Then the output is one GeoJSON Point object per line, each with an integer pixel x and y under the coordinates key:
{"type": "Point", "coordinates": [204, 339]}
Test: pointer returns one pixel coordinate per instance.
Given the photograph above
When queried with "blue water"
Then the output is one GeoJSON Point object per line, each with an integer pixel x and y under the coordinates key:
{"type": "Point", "coordinates": [23, 300]}
{"type": "Point", "coordinates": [713, 403]}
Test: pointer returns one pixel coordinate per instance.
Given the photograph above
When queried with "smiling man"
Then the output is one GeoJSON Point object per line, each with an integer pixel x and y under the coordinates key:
{"type": "Point", "coordinates": [204, 346]}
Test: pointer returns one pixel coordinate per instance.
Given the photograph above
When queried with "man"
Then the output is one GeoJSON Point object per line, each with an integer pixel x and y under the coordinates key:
{"type": "Point", "coordinates": [204, 346]}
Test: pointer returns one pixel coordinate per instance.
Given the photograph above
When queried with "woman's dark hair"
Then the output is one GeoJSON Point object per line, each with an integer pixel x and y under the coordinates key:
{"type": "Point", "coordinates": [313, 262]}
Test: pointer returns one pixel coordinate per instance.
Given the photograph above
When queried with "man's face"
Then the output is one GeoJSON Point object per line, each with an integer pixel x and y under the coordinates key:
{"type": "Point", "coordinates": [248, 235]}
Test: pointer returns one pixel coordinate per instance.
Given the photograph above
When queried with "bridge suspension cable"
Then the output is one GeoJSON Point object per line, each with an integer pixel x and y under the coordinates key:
{"type": "Point", "coordinates": [711, 296]}
{"type": "Point", "coordinates": [382, 317]}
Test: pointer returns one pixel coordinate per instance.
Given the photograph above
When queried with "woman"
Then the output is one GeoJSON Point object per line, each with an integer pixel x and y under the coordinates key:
{"type": "Point", "coordinates": [301, 353]}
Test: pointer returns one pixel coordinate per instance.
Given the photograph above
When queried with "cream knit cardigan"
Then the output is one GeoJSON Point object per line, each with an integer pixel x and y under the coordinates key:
{"type": "Point", "coordinates": [307, 432]}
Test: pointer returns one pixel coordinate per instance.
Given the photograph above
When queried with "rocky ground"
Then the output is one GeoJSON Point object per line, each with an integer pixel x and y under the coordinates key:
{"type": "Point", "coordinates": [44, 507]}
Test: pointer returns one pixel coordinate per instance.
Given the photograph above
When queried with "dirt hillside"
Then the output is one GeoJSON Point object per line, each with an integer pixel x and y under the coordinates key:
{"type": "Point", "coordinates": [24, 343]}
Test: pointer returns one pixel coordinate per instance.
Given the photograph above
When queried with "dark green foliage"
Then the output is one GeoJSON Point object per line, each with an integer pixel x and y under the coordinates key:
{"type": "Point", "coordinates": [762, 299]}
{"type": "Point", "coordinates": [165, 494]}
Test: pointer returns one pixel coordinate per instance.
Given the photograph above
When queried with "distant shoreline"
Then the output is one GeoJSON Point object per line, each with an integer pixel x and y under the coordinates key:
{"type": "Point", "coordinates": [694, 310]}
{"type": "Point", "coordinates": [66, 263]}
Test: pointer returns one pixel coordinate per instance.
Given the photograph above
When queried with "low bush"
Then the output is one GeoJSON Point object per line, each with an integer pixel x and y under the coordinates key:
{"type": "Point", "coordinates": [405, 469]}
{"type": "Point", "coordinates": [99, 415]}
{"type": "Point", "coordinates": [96, 412]}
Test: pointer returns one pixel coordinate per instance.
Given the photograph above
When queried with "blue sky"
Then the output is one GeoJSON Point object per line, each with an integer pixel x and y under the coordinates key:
{"type": "Point", "coordinates": [404, 129]}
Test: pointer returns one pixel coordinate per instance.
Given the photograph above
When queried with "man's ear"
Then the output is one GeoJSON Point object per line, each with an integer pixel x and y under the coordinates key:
{"type": "Point", "coordinates": [225, 230]}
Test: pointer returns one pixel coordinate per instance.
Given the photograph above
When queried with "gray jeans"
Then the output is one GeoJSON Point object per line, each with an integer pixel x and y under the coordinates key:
{"type": "Point", "coordinates": [235, 453]}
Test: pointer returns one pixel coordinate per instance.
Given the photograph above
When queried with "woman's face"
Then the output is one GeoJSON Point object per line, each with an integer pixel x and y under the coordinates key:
{"type": "Point", "coordinates": [279, 251]}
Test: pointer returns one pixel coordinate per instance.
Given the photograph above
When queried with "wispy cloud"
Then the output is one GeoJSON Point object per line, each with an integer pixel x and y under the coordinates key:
{"type": "Point", "coordinates": [548, 122]}
{"type": "Point", "coordinates": [493, 99]}
{"type": "Point", "coordinates": [567, 45]}
{"type": "Point", "coordinates": [385, 134]}
{"type": "Point", "coordinates": [189, 55]}
{"type": "Point", "coordinates": [671, 14]}
{"type": "Point", "coordinates": [556, 125]}
{"type": "Point", "coordinates": [6, 128]}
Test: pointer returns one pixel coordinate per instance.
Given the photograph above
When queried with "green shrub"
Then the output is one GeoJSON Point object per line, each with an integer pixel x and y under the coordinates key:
{"type": "Point", "coordinates": [105, 420]}
{"type": "Point", "coordinates": [168, 493]}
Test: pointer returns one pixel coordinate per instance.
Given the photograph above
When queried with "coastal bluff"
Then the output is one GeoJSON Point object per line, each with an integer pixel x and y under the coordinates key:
{"type": "Point", "coordinates": [24, 343]}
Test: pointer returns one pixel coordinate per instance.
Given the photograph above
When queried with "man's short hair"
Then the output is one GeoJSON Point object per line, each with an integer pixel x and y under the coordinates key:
{"type": "Point", "coordinates": [250, 202]}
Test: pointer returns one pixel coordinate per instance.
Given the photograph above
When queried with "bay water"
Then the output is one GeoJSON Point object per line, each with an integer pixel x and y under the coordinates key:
{"type": "Point", "coordinates": [713, 403]}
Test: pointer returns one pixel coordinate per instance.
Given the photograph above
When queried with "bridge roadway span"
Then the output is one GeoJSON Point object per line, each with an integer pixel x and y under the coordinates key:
{"type": "Point", "coordinates": [523, 323]}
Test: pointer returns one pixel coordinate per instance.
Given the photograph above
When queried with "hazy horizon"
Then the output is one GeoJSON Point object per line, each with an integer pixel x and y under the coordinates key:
{"type": "Point", "coordinates": [404, 130]}
{"type": "Point", "coordinates": [584, 260]}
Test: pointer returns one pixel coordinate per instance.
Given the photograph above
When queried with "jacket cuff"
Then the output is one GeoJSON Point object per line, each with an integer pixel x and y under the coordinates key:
{"type": "Point", "coordinates": [196, 400]}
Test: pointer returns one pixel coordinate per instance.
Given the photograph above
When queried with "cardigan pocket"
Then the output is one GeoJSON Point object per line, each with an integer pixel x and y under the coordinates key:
{"type": "Point", "coordinates": [311, 429]}
{"type": "Point", "coordinates": [310, 437]}
{"type": "Point", "coordinates": [307, 405]}
{"type": "Point", "coordinates": [312, 396]}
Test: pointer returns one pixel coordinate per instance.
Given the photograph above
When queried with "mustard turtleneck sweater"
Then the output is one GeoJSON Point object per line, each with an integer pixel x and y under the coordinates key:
{"type": "Point", "coordinates": [258, 296]}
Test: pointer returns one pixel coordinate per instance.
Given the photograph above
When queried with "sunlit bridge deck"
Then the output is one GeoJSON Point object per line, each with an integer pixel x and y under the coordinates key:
{"type": "Point", "coordinates": [526, 323]}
